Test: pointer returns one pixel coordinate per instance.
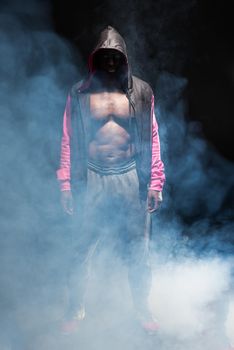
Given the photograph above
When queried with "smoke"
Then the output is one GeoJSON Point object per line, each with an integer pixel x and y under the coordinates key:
{"type": "Point", "coordinates": [36, 69]}
{"type": "Point", "coordinates": [230, 322]}
{"type": "Point", "coordinates": [192, 234]}
{"type": "Point", "coordinates": [184, 295]}
{"type": "Point", "coordinates": [193, 245]}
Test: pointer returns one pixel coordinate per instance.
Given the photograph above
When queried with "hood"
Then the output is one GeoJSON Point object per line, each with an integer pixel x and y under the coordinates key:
{"type": "Point", "coordinates": [110, 38]}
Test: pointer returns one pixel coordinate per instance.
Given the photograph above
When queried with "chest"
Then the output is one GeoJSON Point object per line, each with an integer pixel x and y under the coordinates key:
{"type": "Point", "coordinates": [109, 103]}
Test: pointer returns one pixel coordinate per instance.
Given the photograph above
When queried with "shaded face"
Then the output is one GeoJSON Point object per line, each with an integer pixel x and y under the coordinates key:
{"type": "Point", "coordinates": [110, 60]}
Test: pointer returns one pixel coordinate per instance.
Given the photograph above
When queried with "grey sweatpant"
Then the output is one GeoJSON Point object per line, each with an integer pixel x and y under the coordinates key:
{"type": "Point", "coordinates": [112, 212]}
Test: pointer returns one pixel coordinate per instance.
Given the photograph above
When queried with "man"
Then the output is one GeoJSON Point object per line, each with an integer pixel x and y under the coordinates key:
{"type": "Point", "coordinates": [110, 161]}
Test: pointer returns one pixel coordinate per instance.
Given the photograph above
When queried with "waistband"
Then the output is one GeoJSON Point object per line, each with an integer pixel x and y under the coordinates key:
{"type": "Point", "coordinates": [113, 170]}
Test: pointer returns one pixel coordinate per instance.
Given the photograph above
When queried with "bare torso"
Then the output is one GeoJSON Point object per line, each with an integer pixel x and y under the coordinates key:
{"type": "Point", "coordinates": [110, 141]}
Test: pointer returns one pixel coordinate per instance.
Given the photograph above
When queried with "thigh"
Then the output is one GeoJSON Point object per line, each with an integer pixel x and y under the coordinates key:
{"type": "Point", "coordinates": [129, 216]}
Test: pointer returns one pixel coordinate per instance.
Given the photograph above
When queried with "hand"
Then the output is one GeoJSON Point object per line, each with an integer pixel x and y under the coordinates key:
{"type": "Point", "coordinates": [67, 202]}
{"type": "Point", "coordinates": [154, 200]}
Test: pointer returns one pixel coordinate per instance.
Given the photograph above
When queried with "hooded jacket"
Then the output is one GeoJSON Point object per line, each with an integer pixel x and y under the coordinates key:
{"type": "Point", "coordinates": [144, 129]}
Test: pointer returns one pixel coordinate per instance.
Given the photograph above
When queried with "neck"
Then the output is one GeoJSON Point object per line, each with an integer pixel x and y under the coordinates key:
{"type": "Point", "coordinates": [107, 81]}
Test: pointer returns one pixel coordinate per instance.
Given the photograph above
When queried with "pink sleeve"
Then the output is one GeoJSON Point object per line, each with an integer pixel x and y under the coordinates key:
{"type": "Point", "coordinates": [157, 167]}
{"type": "Point", "coordinates": [63, 173]}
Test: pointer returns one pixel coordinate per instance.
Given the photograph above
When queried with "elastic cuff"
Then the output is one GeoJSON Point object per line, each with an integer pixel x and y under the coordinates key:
{"type": "Point", "coordinates": [65, 186]}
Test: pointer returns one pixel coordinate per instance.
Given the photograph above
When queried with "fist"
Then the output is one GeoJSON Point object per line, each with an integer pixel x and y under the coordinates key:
{"type": "Point", "coordinates": [154, 200]}
{"type": "Point", "coordinates": [67, 202]}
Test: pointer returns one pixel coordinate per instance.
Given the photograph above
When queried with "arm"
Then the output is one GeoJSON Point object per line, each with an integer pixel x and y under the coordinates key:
{"type": "Point", "coordinates": [64, 172]}
{"type": "Point", "coordinates": [157, 167]}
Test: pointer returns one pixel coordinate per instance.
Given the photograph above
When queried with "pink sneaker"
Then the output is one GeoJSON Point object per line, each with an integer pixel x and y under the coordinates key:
{"type": "Point", "coordinates": [151, 327]}
{"type": "Point", "coordinates": [149, 324]}
{"type": "Point", "coordinates": [72, 325]}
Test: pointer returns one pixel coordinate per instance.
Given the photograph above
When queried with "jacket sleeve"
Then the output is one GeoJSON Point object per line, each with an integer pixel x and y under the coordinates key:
{"type": "Point", "coordinates": [157, 167]}
{"type": "Point", "coordinates": [64, 172]}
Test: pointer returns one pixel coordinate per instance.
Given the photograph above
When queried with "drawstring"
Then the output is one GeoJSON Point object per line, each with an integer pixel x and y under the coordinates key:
{"type": "Point", "coordinates": [130, 121]}
{"type": "Point", "coordinates": [130, 127]}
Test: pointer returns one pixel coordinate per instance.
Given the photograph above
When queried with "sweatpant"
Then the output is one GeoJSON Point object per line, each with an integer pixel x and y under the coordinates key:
{"type": "Point", "coordinates": [111, 212]}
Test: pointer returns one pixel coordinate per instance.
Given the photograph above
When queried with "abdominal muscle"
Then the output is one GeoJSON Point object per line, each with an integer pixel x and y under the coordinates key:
{"type": "Point", "coordinates": [111, 145]}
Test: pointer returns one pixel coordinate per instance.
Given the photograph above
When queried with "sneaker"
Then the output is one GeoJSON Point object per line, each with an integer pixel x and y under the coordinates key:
{"type": "Point", "coordinates": [69, 327]}
{"type": "Point", "coordinates": [72, 325]}
{"type": "Point", "coordinates": [149, 324]}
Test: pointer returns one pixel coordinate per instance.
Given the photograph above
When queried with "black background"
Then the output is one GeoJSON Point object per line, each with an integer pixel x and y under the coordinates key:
{"type": "Point", "coordinates": [189, 39]}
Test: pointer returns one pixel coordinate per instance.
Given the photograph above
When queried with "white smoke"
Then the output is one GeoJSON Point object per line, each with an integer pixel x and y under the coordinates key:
{"type": "Point", "coordinates": [185, 293]}
{"type": "Point", "coordinates": [229, 324]}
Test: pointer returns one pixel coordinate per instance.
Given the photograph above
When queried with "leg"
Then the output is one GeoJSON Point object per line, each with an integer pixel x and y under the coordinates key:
{"type": "Point", "coordinates": [134, 225]}
{"type": "Point", "coordinates": [136, 234]}
{"type": "Point", "coordinates": [87, 230]}
{"type": "Point", "coordinates": [86, 236]}
{"type": "Point", "coordinates": [139, 276]}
